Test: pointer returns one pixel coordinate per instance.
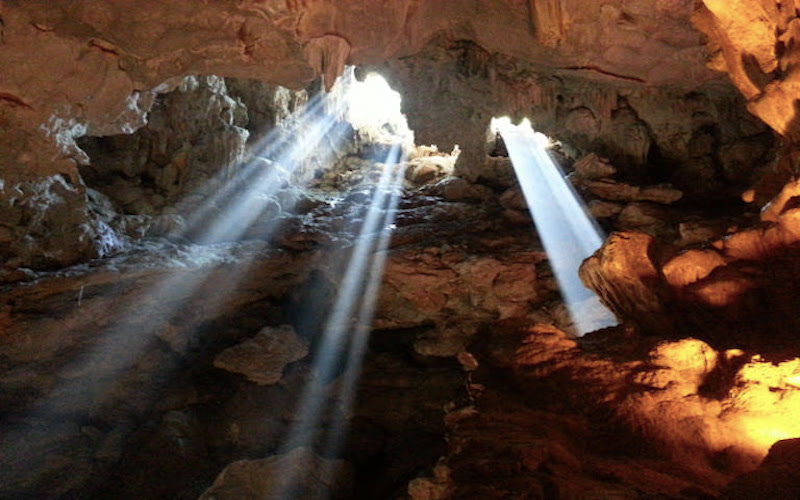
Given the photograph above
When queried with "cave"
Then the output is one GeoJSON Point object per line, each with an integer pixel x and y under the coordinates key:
{"type": "Point", "coordinates": [373, 249]}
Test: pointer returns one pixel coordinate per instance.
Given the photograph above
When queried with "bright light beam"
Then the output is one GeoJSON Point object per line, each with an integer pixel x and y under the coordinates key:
{"type": "Point", "coordinates": [352, 294]}
{"type": "Point", "coordinates": [272, 145]}
{"type": "Point", "coordinates": [250, 204]}
{"type": "Point", "coordinates": [568, 233]}
{"type": "Point", "coordinates": [362, 328]}
{"type": "Point", "coordinates": [256, 192]}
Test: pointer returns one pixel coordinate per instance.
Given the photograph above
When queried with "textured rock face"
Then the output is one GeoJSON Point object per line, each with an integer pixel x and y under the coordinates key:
{"type": "Point", "coordinates": [265, 478]}
{"type": "Point", "coordinates": [678, 131]}
{"type": "Point", "coordinates": [46, 223]}
{"type": "Point", "coordinates": [585, 74]}
{"type": "Point", "coordinates": [687, 401]}
{"type": "Point", "coordinates": [755, 42]}
{"type": "Point", "coordinates": [741, 283]}
{"type": "Point", "coordinates": [195, 138]}
{"type": "Point", "coordinates": [122, 377]}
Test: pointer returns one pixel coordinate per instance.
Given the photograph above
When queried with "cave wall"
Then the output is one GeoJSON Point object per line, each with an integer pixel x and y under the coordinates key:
{"type": "Point", "coordinates": [105, 60]}
{"type": "Point", "coordinates": [755, 42]}
{"type": "Point", "coordinates": [700, 137]}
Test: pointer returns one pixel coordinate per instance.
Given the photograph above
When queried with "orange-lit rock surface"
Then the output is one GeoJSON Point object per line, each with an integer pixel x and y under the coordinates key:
{"type": "Point", "coordinates": [744, 281]}
{"type": "Point", "coordinates": [755, 42]}
{"type": "Point", "coordinates": [672, 419]}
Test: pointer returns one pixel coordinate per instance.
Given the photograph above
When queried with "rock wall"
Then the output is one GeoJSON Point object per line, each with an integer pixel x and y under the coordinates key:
{"type": "Point", "coordinates": [698, 136]}
{"type": "Point", "coordinates": [738, 288]}
{"type": "Point", "coordinates": [194, 140]}
{"type": "Point", "coordinates": [755, 42]}
{"type": "Point", "coordinates": [113, 58]}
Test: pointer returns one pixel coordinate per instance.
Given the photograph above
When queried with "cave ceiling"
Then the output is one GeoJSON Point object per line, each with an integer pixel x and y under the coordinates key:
{"type": "Point", "coordinates": [632, 80]}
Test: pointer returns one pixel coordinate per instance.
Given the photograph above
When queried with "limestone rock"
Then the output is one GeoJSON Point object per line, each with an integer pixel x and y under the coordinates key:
{"type": "Point", "coordinates": [438, 487]}
{"type": "Point", "coordinates": [625, 278]}
{"type": "Point", "coordinates": [268, 106]}
{"type": "Point", "coordinates": [30, 210]}
{"type": "Point", "coordinates": [692, 359]}
{"type": "Point", "coordinates": [691, 266]}
{"type": "Point", "coordinates": [744, 38]}
{"type": "Point", "coordinates": [695, 231]}
{"type": "Point", "coordinates": [592, 167]}
{"type": "Point", "coordinates": [617, 191]}
{"type": "Point", "coordinates": [513, 199]}
{"type": "Point", "coordinates": [193, 140]}
{"type": "Point", "coordinates": [495, 171]}
{"type": "Point", "coordinates": [646, 217]}
{"type": "Point", "coordinates": [774, 478]}
{"type": "Point", "coordinates": [445, 341]}
{"type": "Point", "coordinates": [262, 358]}
{"type": "Point", "coordinates": [300, 474]}
{"type": "Point", "coordinates": [602, 209]}
{"type": "Point", "coordinates": [459, 189]}
{"type": "Point", "coordinates": [783, 201]}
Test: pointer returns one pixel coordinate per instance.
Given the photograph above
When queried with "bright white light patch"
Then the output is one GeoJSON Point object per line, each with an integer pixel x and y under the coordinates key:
{"type": "Point", "coordinates": [496, 125]}
{"type": "Point", "coordinates": [372, 102]}
{"type": "Point", "coordinates": [567, 232]}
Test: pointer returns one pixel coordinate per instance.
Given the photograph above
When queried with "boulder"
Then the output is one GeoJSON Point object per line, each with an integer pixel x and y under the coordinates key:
{"type": "Point", "coordinates": [262, 358]}
{"type": "Point", "coordinates": [299, 474]}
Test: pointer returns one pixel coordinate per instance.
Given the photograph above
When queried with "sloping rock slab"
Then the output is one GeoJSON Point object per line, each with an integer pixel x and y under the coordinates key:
{"type": "Point", "coordinates": [299, 474]}
{"type": "Point", "coordinates": [262, 358]}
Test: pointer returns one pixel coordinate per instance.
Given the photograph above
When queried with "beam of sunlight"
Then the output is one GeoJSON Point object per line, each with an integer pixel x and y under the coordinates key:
{"type": "Point", "coordinates": [363, 325]}
{"type": "Point", "coordinates": [272, 145]}
{"type": "Point", "coordinates": [246, 199]}
{"type": "Point", "coordinates": [342, 341]}
{"type": "Point", "coordinates": [567, 231]}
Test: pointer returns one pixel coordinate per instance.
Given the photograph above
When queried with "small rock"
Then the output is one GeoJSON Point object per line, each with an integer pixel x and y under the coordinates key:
{"type": "Point", "coordinates": [689, 361]}
{"type": "Point", "coordinates": [646, 217]}
{"type": "Point", "coordinates": [513, 199]}
{"type": "Point", "coordinates": [592, 166]}
{"type": "Point", "coordinates": [263, 358]}
{"type": "Point", "coordinates": [460, 189]}
{"type": "Point", "coordinates": [436, 488]}
{"type": "Point", "coordinates": [299, 474]}
{"type": "Point", "coordinates": [456, 416]}
{"type": "Point", "coordinates": [619, 191]}
{"type": "Point", "coordinates": [468, 361]}
{"type": "Point", "coordinates": [424, 169]}
{"type": "Point", "coordinates": [661, 193]}
{"type": "Point", "coordinates": [602, 209]}
{"type": "Point", "coordinates": [699, 231]}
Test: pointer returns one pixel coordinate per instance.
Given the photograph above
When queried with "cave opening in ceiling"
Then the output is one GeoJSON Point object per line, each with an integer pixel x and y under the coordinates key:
{"type": "Point", "coordinates": [567, 231]}
{"type": "Point", "coordinates": [373, 106]}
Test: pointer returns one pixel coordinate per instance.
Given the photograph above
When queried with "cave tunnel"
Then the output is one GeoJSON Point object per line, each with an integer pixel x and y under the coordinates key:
{"type": "Point", "coordinates": [425, 250]}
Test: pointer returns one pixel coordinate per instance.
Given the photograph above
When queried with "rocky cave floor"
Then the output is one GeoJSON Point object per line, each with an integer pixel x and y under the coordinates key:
{"type": "Point", "coordinates": [465, 387]}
